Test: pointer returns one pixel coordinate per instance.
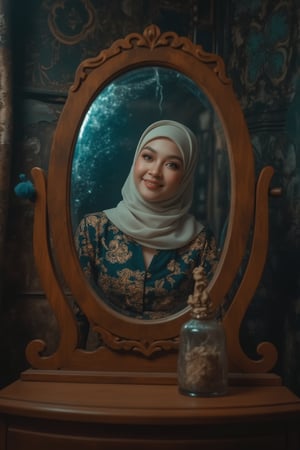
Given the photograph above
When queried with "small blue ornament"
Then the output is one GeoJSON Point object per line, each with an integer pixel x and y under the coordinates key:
{"type": "Point", "coordinates": [25, 189]}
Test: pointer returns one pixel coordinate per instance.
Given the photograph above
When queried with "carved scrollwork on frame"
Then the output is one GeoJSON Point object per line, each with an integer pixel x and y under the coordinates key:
{"type": "Point", "coordinates": [152, 39]}
{"type": "Point", "coordinates": [144, 347]}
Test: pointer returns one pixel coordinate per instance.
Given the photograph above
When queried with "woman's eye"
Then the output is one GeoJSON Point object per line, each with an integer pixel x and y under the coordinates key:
{"type": "Point", "coordinates": [173, 165]}
{"type": "Point", "coordinates": [146, 156]}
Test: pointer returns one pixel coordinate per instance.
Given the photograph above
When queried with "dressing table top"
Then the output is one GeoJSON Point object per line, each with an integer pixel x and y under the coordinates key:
{"type": "Point", "coordinates": [249, 399]}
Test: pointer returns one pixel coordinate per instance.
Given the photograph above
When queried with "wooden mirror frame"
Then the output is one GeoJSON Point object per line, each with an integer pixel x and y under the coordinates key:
{"type": "Point", "coordinates": [147, 346]}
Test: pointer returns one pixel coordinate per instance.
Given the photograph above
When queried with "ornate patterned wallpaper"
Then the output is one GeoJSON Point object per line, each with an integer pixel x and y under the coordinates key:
{"type": "Point", "coordinates": [264, 65]}
{"type": "Point", "coordinates": [70, 31]}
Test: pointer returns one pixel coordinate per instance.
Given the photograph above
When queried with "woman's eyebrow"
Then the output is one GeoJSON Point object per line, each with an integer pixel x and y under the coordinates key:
{"type": "Point", "coordinates": [148, 147]}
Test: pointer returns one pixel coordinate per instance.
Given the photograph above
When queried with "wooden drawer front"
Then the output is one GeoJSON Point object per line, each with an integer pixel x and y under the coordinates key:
{"type": "Point", "coordinates": [20, 439]}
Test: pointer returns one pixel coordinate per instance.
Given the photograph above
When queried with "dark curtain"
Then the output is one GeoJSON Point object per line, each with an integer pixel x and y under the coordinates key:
{"type": "Point", "coordinates": [5, 125]}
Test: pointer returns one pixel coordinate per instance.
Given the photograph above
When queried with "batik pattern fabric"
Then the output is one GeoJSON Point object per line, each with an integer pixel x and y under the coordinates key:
{"type": "Point", "coordinates": [113, 262]}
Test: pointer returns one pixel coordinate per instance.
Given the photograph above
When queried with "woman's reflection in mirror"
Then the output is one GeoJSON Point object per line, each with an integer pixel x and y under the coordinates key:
{"type": "Point", "coordinates": [141, 254]}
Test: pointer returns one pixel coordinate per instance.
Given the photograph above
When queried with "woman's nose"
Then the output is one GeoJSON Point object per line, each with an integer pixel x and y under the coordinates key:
{"type": "Point", "coordinates": [155, 170]}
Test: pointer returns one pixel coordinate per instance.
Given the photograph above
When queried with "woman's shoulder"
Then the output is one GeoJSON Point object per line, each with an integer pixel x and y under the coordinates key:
{"type": "Point", "coordinates": [204, 239]}
{"type": "Point", "coordinates": [94, 219]}
{"type": "Point", "coordinates": [100, 222]}
{"type": "Point", "coordinates": [95, 215]}
{"type": "Point", "coordinates": [205, 234]}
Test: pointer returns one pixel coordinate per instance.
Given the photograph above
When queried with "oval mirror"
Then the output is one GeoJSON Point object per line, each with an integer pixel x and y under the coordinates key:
{"type": "Point", "coordinates": [110, 131]}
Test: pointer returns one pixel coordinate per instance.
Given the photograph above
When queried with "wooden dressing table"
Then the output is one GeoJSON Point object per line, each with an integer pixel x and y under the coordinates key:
{"type": "Point", "coordinates": [78, 399]}
{"type": "Point", "coordinates": [99, 415]}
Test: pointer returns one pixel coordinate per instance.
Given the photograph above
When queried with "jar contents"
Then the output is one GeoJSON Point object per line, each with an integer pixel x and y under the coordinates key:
{"type": "Point", "coordinates": [202, 359]}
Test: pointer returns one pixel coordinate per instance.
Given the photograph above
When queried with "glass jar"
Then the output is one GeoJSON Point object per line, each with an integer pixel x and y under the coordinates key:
{"type": "Point", "coordinates": [202, 359]}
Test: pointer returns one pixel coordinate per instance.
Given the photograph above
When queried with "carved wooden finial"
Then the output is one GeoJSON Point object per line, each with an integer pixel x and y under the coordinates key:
{"type": "Point", "coordinates": [199, 301]}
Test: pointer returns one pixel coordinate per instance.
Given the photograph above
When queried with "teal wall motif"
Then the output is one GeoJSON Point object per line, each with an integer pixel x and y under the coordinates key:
{"type": "Point", "coordinates": [58, 35]}
{"type": "Point", "coordinates": [267, 48]}
{"type": "Point", "coordinates": [263, 62]}
{"type": "Point", "coordinates": [71, 22]}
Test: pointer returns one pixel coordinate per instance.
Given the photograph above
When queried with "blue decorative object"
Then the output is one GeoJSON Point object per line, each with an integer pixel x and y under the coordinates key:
{"type": "Point", "coordinates": [25, 189]}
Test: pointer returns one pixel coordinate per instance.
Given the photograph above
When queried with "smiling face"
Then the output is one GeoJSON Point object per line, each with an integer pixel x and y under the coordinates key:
{"type": "Point", "coordinates": [158, 170]}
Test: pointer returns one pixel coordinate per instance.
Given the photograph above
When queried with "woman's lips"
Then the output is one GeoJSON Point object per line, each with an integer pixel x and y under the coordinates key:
{"type": "Point", "coordinates": [151, 184]}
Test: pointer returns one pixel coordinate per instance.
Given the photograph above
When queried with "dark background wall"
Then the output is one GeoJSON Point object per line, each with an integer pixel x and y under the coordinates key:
{"type": "Point", "coordinates": [260, 43]}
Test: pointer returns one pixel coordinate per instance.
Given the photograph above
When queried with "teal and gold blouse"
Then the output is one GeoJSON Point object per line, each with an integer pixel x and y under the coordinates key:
{"type": "Point", "coordinates": [114, 264]}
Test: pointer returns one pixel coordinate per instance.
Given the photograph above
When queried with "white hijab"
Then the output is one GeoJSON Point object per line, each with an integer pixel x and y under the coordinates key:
{"type": "Point", "coordinates": [166, 224]}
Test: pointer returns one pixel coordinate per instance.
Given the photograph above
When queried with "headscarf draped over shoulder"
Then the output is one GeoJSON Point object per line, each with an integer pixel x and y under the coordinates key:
{"type": "Point", "coordinates": [167, 224]}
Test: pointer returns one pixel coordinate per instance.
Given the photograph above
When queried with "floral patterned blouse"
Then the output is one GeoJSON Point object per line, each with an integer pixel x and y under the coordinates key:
{"type": "Point", "coordinates": [114, 264]}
